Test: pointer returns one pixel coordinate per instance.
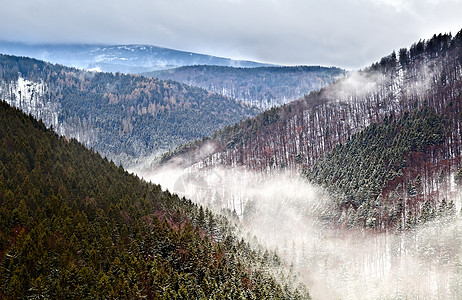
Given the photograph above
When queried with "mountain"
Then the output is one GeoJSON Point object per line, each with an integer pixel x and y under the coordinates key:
{"type": "Point", "coordinates": [121, 116]}
{"type": "Point", "coordinates": [398, 173]}
{"type": "Point", "coordinates": [385, 141]}
{"type": "Point", "coordinates": [263, 87]}
{"type": "Point", "coordinates": [73, 225]}
{"type": "Point", "coordinates": [118, 58]}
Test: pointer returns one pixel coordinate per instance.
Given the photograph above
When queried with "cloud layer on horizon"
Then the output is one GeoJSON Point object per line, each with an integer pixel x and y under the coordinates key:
{"type": "Point", "coordinates": [348, 34]}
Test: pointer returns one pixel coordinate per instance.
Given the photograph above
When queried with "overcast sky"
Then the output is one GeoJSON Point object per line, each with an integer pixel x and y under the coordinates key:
{"type": "Point", "coordinates": [345, 33]}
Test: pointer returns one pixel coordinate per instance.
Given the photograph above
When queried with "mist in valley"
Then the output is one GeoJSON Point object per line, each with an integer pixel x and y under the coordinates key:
{"type": "Point", "coordinates": [291, 216]}
{"type": "Point", "coordinates": [285, 213]}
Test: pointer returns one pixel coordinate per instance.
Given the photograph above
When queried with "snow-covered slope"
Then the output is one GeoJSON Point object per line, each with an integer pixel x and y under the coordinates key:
{"type": "Point", "coordinates": [32, 98]}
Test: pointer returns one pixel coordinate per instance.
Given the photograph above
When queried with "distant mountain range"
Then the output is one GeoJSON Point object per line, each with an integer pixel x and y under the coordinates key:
{"type": "Point", "coordinates": [263, 87]}
{"type": "Point", "coordinates": [118, 58]}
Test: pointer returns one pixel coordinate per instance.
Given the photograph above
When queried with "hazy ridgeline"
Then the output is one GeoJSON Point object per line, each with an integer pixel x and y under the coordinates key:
{"type": "Point", "coordinates": [263, 87]}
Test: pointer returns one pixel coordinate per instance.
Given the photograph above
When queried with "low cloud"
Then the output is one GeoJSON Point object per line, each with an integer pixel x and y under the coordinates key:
{"type": "Point", "coordinates": [357, 85]}
{"type": "Point", "coordinates": [284, 212]}
{"type": "Point", "coordinates": [348, 34]}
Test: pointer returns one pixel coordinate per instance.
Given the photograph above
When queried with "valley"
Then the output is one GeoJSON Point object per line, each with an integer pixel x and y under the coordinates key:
{"type": "Point", "coordinates": [357, 186]}
{"type": "Point", "coordinates": [240, 180]}
{"type": "Point", "coordinates": [285, 213]}
{"type": "Point", "coordinates": [386, 141]}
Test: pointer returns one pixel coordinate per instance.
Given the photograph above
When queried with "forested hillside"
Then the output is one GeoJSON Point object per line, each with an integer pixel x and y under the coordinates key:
{"type": "Point", "coordinates": [121, 116]}
{"type": "Point", "coordinates": [263, 87]}
{"type": "Point", "coordinates": [391, 131]}
{"type": "Point", "coordinates": [394, 174]}
{"type": "Point", "coordinates": [73, 225]}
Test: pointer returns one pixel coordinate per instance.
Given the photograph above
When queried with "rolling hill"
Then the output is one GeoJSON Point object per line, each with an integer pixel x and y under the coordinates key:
{"type": "Point", "coordinates": [263, 87]}
{"type": "Point", "coordinates": [124, 117]}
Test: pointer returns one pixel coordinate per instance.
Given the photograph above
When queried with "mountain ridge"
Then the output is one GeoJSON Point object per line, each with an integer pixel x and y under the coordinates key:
{"type": "Point", "coordinates": [130, 58]}
{"type": "Point", "coordinates": [263, 87]}
{"type": "Point", "coordinates": [121, 116]}
{"type": "Point", "coordinates": [297, 135]}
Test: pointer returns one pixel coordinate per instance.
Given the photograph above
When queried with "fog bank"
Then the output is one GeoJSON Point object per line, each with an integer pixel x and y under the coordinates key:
{"type": "Point", "coordinates": [285, 213]}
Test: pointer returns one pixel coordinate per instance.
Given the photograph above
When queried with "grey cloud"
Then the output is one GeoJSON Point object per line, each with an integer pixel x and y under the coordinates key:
{"type": "Point", "coordinates": [349, 34]}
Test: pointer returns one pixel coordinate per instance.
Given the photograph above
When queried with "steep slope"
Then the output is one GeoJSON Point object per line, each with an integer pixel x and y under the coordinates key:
{"type": "Point", "coordinates": [263, 87]}
{"type": "Point", "coordinates": [394, 174]}
{"type": "Point", "coordinates": [73, 225]}
{"type": "Point", "coordinates": [121, 116]}
{"type": "Point", "coordinates": [296, 136]}
{"type": "Point", "coordinates": [118, 58]}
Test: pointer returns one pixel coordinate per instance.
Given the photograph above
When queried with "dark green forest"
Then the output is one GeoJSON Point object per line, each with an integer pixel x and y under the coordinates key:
{"type": "Point", "coordinates": [74, 225]}
{"type": "Point", "coordinates": [365, 175]}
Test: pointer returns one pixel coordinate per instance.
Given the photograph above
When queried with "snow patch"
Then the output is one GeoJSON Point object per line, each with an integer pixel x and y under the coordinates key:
{"type": "Point", "coordinates": [32, 98]}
